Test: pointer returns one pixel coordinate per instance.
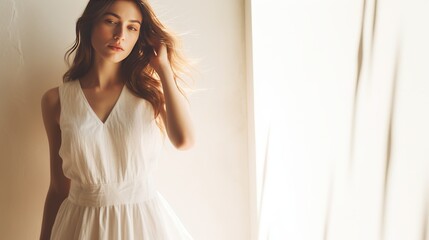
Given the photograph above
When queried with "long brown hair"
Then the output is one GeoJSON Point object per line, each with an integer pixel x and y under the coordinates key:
{"type": "Point", "coordinates": [139, 76]}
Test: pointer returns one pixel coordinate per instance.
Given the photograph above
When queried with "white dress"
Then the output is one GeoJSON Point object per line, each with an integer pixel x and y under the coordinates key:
{"type": "Point", "coordinates": [112, 193]}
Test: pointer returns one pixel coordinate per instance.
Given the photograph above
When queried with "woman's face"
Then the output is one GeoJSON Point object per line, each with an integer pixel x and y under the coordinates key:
{"type": "Point", "coordinates": [116, 32]}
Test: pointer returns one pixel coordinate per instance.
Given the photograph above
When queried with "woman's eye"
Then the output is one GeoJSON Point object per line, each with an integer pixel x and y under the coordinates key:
{"type": "Point", "coordinates": [110, 21]}
{"type": "Point", "coordinates": [133, 29]}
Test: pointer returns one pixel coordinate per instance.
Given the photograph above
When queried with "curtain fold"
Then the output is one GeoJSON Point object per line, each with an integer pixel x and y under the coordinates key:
{"type": "Point", "coordinates": [341, 92]}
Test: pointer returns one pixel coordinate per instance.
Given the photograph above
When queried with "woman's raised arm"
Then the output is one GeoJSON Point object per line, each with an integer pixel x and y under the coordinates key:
{"type": "Point", "coordinates": [177, 118]}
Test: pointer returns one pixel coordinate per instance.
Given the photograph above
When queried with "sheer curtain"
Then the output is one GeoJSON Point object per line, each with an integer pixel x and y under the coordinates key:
{"type": "Point", "coordinates": [341, 119]}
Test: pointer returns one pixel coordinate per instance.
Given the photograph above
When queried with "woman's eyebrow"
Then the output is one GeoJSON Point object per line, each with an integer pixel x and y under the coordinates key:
{"type": "Point", "coordinates": [117, 16]}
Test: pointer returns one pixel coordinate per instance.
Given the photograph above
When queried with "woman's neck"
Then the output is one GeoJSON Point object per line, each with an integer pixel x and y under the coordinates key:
{"type": "Point", "coordinates": [103, 74]}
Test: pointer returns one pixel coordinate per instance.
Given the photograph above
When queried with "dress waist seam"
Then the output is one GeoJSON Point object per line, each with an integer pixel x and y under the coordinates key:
{"type": "Point", "coordinates": [98, 195]}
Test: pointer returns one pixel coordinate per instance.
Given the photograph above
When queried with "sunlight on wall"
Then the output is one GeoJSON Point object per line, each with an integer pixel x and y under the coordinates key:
{"type": "Point", "coordinates": [301, 109]}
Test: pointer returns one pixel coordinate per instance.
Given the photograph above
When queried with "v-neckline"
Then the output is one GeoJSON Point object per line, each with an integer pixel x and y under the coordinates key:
{"type": "Point", "coordinates": [90, 109]}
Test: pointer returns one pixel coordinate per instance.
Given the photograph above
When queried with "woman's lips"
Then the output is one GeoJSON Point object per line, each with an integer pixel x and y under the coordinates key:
{"type": "Point", "coordinates": [115, 48]}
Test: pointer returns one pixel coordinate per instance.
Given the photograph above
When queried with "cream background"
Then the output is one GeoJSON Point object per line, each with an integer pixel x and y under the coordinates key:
{"type": "Point", "coordinates": [207, 185]}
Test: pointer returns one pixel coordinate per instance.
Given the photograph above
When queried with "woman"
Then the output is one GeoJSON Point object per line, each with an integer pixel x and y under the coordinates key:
{"type": "Point", "coordinates": [106, 125]}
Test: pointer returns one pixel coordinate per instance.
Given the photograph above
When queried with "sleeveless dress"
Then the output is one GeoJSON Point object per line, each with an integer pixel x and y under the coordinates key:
{"type": "Point", "coordinates": [112, 193]}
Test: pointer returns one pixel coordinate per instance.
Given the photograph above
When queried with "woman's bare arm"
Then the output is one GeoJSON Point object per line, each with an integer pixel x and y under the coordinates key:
{"type": "Point", "coordinates": [176, 117]}
{"type": "Point", "coordinates": [59, 185]}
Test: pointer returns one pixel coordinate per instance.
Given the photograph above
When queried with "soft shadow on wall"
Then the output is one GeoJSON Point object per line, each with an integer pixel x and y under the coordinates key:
{"type": "Point", "coordinates": [32, 40]}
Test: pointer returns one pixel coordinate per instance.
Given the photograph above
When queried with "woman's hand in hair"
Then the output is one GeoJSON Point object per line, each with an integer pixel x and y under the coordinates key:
{"type": "Point", "coordinates": [159, 60]}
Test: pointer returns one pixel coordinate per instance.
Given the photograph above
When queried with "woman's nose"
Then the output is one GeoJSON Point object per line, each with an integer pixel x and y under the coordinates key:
{"type": "Point", "coordinates": [119, 32]}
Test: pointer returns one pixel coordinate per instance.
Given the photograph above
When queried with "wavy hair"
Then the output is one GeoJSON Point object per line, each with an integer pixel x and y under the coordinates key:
{"type": "Point", "coordinates": [139, 76]}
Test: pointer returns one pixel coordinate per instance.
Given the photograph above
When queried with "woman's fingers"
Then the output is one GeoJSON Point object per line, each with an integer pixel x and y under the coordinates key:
{"type": "Point", "coordinates": [160, 46]}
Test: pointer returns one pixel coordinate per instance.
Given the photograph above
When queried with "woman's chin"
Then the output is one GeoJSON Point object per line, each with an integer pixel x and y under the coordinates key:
{"type": "Point", "coordinates": [113, 58]}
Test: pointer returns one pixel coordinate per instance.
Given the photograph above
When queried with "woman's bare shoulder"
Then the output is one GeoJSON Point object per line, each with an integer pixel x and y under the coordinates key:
{"type": "Point", "coordinates": [51, 97]}
{"type": "Point", "coordinates": [51, 102]}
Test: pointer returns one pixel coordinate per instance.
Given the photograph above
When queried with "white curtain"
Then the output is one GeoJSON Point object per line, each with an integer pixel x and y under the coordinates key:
{"type": "Point", "coordinates": [341, 114]}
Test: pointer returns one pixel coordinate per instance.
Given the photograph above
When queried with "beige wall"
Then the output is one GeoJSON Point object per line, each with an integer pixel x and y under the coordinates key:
{"type": "Point", "coordinates": [207, 186]}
